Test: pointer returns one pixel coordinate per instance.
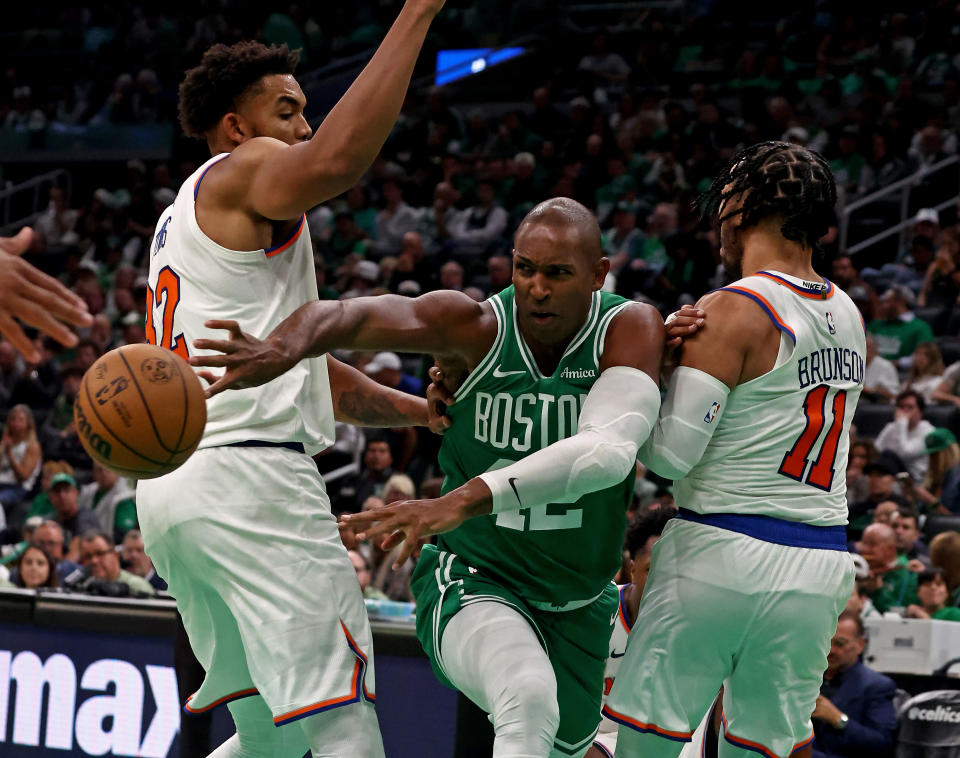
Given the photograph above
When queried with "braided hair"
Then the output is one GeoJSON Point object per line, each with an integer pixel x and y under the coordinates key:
{"type": "Point", "coordinates": [777, 179]}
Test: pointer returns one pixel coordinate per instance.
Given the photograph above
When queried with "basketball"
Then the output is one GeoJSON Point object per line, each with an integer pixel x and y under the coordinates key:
{"type": "Point", "coordinates": [140, 411]}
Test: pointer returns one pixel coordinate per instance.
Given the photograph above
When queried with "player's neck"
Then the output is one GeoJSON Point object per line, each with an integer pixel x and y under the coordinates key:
{"type": "Point", "coordinates": [219, 143]}
{"type": "Point", "coordinates": [547, 356]}
{"type": "Point", "coordinates": [764, 250]}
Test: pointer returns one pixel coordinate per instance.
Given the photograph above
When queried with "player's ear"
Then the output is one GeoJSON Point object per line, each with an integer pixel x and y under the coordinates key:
{"type": "Point", "coordinates": [600, 270]}
{"type": "Point", "coordinates": [233, 126]}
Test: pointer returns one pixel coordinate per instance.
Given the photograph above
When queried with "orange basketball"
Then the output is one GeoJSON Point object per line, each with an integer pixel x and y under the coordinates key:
{"type": "Point", "coordinates": [140, 411]}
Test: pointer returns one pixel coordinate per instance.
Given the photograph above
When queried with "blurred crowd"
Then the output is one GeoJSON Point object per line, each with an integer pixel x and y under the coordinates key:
{"type": "Point", "coordinates": [633, 122]}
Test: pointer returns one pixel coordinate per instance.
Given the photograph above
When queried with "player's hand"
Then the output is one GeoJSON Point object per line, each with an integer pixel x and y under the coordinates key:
{"type": "Point", "coordinates": [826, 711]}
{"type": "Point", "coordinates": [437, 419]}
{"type": "Point", "coordinates": [683, 323]}
{"type": "Point", "coordinates": [249, 362]}
{"type": "Point", "coordinates": [36, 299]}
{"type": "Point", "coordinates": [438, 398]}
{"type": "Point", "coordinates": [410, 521]}
{"type": "Point", "coordinates": [348, 537]}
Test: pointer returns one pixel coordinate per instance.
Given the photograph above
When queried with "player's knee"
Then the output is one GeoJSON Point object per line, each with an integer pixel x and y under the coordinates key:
{"type": "Point", "coordinates": [530, 698]}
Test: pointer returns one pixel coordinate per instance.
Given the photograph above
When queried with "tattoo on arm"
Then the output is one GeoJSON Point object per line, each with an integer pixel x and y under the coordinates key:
{"type": "Point", "coordinates": [379, 409]}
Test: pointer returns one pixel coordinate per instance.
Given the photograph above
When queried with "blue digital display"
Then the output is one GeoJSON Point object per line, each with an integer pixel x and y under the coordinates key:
{"type": "Point", "coordinates": [457, 64]}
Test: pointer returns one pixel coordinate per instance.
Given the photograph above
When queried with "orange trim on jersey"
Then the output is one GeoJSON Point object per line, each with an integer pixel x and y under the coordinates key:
{"type": "Point", "coordinates": [801, 745]}
{"type": "Point", "coordinates": [641, 727]}
{"type": "Point", "coordinates": [358, 689]}
{"type": "Point", "coordinates": [225, 699]}
{"type": "Point", "coordinates": [765, 304]}
{"type": "Point", "coordinates": [309, 710]}
{"type": "Point", "coordinates": [270, 252]}
{"type": "Point", "coordinates": [811, 294]}
{"type": "Point", "coordinates": [756, 747]}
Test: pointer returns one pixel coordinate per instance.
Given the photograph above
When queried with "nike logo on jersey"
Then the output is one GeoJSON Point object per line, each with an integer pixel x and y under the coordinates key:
{"type": "Point", "coordinates": [511, 480]}
{"type": "Point", "coordinates": [613, 618]}
{"type": "Point", "coordinates": [498, 374]}
{"type": "Point", "coordinates": [618, 655]}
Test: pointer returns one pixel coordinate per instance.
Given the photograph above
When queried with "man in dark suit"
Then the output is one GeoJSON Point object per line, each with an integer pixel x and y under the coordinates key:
{"type": "Point", "coordinates": [854, 717]}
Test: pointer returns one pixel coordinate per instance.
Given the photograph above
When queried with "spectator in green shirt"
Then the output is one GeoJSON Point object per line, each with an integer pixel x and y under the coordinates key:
{"type": "Point", "coordinates": [112, 499]}
{"type": "Point", "coordinates": [890, 584]}
{"type": "Point", "coordinates": [42, 505]}
{"type": "Point", "coordinates": [932, 591]}
{"type": "Point", "coordinates": [898, 331]}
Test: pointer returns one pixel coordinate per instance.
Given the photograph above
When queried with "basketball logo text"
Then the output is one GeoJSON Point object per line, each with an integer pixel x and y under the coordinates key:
{"type": "Point", "coordinates": [96, 442]}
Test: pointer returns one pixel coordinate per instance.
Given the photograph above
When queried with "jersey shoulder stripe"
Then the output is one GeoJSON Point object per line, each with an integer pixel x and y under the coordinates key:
{"type": "Point", "coordinates": [600, 336]}
{"type": "Point", "coordinates": [490, 359]}
{"type": "Point", "coordinates": [213, 162]}
{"type": "Point", "coordinates": [272, 251]}
{"type": "Point", "coordinates": [766, 306]}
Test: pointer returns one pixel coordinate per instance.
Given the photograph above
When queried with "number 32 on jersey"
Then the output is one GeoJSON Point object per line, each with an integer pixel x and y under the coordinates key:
{"type": "Point", "coordinates": [795, 462]}
{"type": "Point", "coordinates": [165, 301]}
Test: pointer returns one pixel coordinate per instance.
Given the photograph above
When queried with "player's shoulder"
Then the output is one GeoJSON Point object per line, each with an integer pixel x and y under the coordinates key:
{"type": "Point", "coordinates": [229, 178]}
{"type": "Point", "coordinates": [633, 315]}
{"type": "Point", "coordinates": [256, 150]}
{"type": "Point", "coordinates": [736, 312]}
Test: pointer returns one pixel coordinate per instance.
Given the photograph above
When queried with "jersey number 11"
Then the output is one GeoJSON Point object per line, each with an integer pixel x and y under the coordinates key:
{"type": "Point", "coordinates": [795, 461]}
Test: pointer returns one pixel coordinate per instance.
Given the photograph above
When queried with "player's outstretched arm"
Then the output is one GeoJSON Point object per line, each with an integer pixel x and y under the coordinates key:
{"type": "Point", "coordinates": [359, 400]}
{"type": "Point", "coordinates": [286, 181]}
{"type": "Point", "coordinates": [35, 298]}
{"type": "Point", "coordinates": [716, 358]}
{"type": "Point", "coordinates": [440, 323]}
{"type": "Point", "coordinates": [617, 415]}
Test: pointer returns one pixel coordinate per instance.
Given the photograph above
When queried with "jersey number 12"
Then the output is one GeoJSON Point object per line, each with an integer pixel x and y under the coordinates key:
{"type": "Point", "coordinates": [795, 461]}
{"type": "Point", "coordinates": [168, 293]}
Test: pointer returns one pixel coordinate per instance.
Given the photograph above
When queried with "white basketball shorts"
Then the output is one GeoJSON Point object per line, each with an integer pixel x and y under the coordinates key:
{"type": "Point", "coordinates": [246, 540]}
{"type": "Point", "coordinates": [721, 607]}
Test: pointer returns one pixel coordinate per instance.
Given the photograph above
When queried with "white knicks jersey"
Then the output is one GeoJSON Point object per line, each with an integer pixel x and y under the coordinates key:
{"type": "Point", "coordinates": [193, 279]}
{"type": "Point", "coordinates": [618, 647]}
{"type": "Point", "coordinates": [780, 447]}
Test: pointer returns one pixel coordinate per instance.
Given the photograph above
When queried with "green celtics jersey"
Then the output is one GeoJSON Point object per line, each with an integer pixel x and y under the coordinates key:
{"type": "Point", "coordinates": [507, 409]}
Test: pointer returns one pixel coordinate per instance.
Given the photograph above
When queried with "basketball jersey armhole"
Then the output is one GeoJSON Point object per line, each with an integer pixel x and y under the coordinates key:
{"type": "Point", "coordinates": [600, 337]}
{"type": "Point", "coordinates": [490, 359]}
{"type": "Point", "coordinates": [788, 337]}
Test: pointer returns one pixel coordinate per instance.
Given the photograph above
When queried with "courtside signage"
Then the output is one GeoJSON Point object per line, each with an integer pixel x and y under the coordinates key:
{"type": "Point", "coordinates": [99, 710]}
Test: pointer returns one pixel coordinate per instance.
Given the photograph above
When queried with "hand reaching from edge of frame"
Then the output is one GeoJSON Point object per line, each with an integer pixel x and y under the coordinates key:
{"type": "Point", "coordinates": [38, 300]}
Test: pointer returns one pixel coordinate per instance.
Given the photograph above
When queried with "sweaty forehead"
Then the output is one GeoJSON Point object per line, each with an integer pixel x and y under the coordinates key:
{"type": "Point", "coordinates": [550, 244]}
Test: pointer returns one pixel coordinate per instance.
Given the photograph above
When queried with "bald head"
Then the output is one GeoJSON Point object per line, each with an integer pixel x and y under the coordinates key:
{"type": "Point", "coordinates": [879, 546]}
{"type": "Point", "coordinates": [564, 213]}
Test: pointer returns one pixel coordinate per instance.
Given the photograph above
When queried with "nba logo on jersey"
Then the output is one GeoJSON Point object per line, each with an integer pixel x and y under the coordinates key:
{"type": "Point", "coordinates": [712, 413]}
{"type": "Point", "coordinates": [831, 326]}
